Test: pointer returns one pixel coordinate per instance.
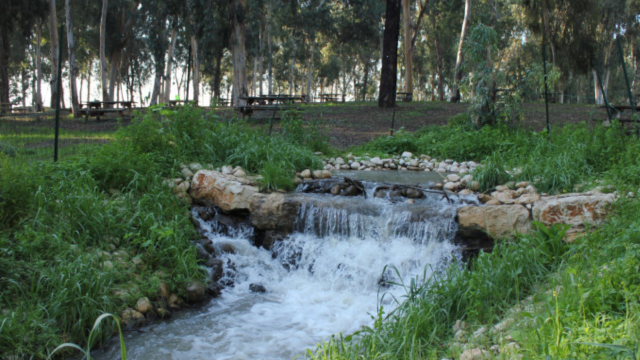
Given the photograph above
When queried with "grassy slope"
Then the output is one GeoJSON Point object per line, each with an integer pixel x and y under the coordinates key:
{"type": "Point", "coordinates": [579, 297]}
{"type": "Point", "coordinates": [70, 231]}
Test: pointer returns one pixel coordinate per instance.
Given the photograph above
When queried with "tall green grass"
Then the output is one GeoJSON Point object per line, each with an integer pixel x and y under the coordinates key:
{"type": "Point", "coordinates": [571, 156]}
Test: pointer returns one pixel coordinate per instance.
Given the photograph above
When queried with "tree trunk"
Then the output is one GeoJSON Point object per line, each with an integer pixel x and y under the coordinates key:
{"type": "Point", "coordinates": [388, 75]}
{"type": "Point", "coordinates": [114, 73]}
{"type": "Point", "coordinates": [38, 89]}
{"type": "Point", "coordinates": [103, 56]}
{"type": "Point", "coordinates": [260, 58]}
{"type": "Point", "coordinates": [365, 81]}
{"type": "Point", "coordinates": [310, 70]}
{"type": "Point", "coordinates": [292, 70]}
{"type": "Point", "coordinates": [195, 69]}
{"type": "Point", "coordinates": [547, 30]}
{"type": "Point", "coordinates": [269, 64]}
{"type": "Point", "coordinates": [455, 90]}
{"type": "Point", "coordinates": [166, 95]}
{"type": "Point", "coordinates": [217, 74]}
{"type": "Point", "coordinates": [254, 80]}
{"type": "Point", "coordinates": [89, 81]}
{"type": "Point", "coordinates": [237, 15]}
{"type": "Point", "coordinates": [408, 53]}
{"type": "Point", "coordinates": [439, 64]}
{"type": "Point", "coordinates": [73, 69]}
{"type": "Point", "coordinates": [53, 30]}
{"type": "Point", "coordinates": [5, 48]}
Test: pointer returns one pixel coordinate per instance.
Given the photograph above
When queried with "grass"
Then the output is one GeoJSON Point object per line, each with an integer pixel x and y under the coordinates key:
{"type": "Point", "coordinates": [69, 231]}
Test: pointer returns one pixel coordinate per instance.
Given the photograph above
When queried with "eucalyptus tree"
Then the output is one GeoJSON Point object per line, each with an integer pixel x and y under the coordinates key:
{"type": "Point", "coordinates": [457, 72]}
{"type": "Point", "coordinates": [389, 71]}
{"type": "Point", "coordinates": [16, 18]}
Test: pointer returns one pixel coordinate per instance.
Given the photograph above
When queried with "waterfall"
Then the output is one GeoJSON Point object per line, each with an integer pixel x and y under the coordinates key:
{"type": "Point", "coordinates": [325, 278]}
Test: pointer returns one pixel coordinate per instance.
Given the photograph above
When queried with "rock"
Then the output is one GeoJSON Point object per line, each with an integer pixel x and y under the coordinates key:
{"type": "Point", "coordinates": [451, 186]}
{"type": "Point", "coordinates": [459, 325]}
{"type": "Point", "coordinates": [527, 199]}
{"type": "Point", "coordinates": [495, 349]}
{"type": "Point", "coordinates": [414, 162]}
{"type": "Point", "coordinates": [437, 186]}
{"type": "Point", "coordinates": [355, 165]}
{"type": "Point", "coordinates": [163, 313]}
{"type": "Point", "coordinates": [493, 202]}
{"type": "Point", "coordinates": [236, 195]}
{"type": "Point", "coordinates": [376, 161]}
{"type": "Point", "coordinates": [339, 161]}
{"type": "Point", "coordinates": [480, 331]}
{"type": "Point", "coordinates": [504, 324]}
{"type": "Point", "coordinates": [163, 291]}
{"type": "Point", "coordinates": [531, 189]}
{"type": "Point", "coordinates": [306, 173]}
{"type": "Point", "coordinates": [195, 292]}
{"type": "Point", "coordinates": [326, 174]}
{"type": "Point", "coordinates": [522, 184]}
{"type": "Point", "coordinates": [476, 354]}
{"type": "Point", "coordinates": [195, 167]}
{"type": "Point", "coordinates": [465, 192]}
{"type": "Point", "coordinates": [465, 180]}
{"type": "Point", "coordinates": [217, 269]}
{"type": "Point", "coordinates": [227, 170]}
{"type": "Point", "coordinates": [520, 192]}
{"type": "Point", "coordinates": [297, 180]}
{"type": "Point", "coordinates": [453, 178]}
{"type": "Point", "coordinates": [393, 166]}
{"type": "Point", "coordinates": [131, 318]}
{"type": "Point", "coordinates": [183, 187]}
{"type": "Point", "coordinates": [239, 172]}
{"type": "Point", "coordinates": [474, 185]}
{"type": "Point", "coordinates": [406, 154]}
{"type": "Point", "coordinates": [510, 347]}
{"type": "Point", "coordinates": [504, 197]}
{"type": "Point", "coordinates": [186, 173]}
{"type": "Point", "coordinates": [257, 288]}
{"type": "Point", "coordinates": [345, 167]}
{"type": "Point", "coordinates": [143, 305]}
{"type": "Point", "coordinates": [448, 161]}
{"type": "Point", "coordinates": [317, 174]}
{"type": "Point", "coordinates": [576, 210]}
{"type": "Point", "coordinates": [174, 301]}
{"type": "Point", "coordinates": [497, 220]}
{"type": "Point", "coordinates": [502, 188]}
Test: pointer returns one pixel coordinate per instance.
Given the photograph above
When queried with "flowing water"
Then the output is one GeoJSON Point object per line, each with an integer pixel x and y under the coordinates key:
{"type": "Point", "coordinates": [323, 279]}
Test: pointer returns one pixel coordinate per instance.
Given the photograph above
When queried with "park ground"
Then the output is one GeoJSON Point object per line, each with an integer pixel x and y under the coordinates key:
{"type": "Point", "coordinates": [75, 234]}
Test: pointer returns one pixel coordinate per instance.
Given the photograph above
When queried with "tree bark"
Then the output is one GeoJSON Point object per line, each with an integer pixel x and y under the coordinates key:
{"type": "Point", "coordinates": [217, 73]}
{"type": "Point", "coordinates": [53, 30]}
{"type": "Point", "coordinates": [310, 69]}
{"type": "Point", "coordinates": [38, 89]}
{"type": "Point", "coordinates": [237, 15]}
{"type": "Point", "coordinates": [114, 67]}
{"type": "Point", "coordinates": [73, 69]}
{"type": "Point", "coordinates": [389, 72]}
{"type": "Point", "coordinates": [440, 66]}
{"type": "Point", "coordinates": [89, 81]}
{"type": "Point", "coordinates": [455, 90]}
{"type": "Point", "coordinates": [166, 95]}
{"type": "Point", "coordinates": [547, 30]}
{"type": "Point", "coordinates": [103, 56]}
{"type": "Point", "coordinates": [365, 82]}
{"type": "Point", "coordinates": [260, 57]}
{"type": "Point", "coordinates": [408, 53]}
{"type": "Point", "coordinates": [269, 64]}
{"type": "Point", "coordinates": [292, 70]}
{"type": "Point", "coordinates": [254, 80]}
{"type": "Point", "coordinates": [195, 69]}
{"type": "Point", "coordinates": [5, 48]}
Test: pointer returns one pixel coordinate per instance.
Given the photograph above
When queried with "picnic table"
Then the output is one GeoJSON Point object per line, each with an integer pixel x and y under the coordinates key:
{"type": "Point", "coordinates": [619, 109]}
{"type": "Point", "coordinates": [331, 98]}
{"type": "Point", "coordinates": [404, 96]}
{"type": "Point", "coordinates": [100, 108]}
{"type": "Point", "coordinates": [174, 103]}
{"type": "Point", "coordinates": [268, 102]}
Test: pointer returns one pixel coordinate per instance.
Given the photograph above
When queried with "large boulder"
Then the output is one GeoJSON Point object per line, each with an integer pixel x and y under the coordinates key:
{"type": "Point", "coordinates": [232, 194]}
{"type": "Point", "coordinates": [576, 210]}
{"type": "Point", "coordinates": [496, 220]}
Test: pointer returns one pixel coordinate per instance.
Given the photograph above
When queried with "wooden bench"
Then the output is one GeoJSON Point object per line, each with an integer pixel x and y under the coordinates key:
{"type": "Point", "coordinates": [404, 96]}
{"type": "Point", "coordinates": [97, 113]}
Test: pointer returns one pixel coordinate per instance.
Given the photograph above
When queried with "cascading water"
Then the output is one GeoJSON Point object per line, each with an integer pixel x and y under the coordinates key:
{"type": "Point", "coordinates": [325, 278]}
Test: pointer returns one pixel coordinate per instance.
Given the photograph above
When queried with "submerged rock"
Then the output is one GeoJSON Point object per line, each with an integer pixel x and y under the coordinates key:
{"type": "Point", "coordinates": [257, 288]}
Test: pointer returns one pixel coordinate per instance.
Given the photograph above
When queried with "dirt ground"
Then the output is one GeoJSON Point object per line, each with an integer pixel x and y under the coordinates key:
{"type": "Point", "coordinates": [349, 123]}
{"type": "Point", "coordinates": [356, 123]}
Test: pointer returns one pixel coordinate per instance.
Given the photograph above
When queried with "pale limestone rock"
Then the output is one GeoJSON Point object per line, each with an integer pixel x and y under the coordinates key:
{"type": "Point", "coordinates": [355, 165]}
{"type": "Point", "coordinates": [406, 154]}
{"type": "Point", "coordinates": [451, 186]}
{"type": "Point", "coordinates": [497, 220]}
{"type": "Point", "coordinates": [522, 184]}
{"type": "Point", "coordinates": [306, 173]}
{"type": "Point", "coordinates": [502, 188]}
{"type": "Point", "coordinates": [317, 174]}
{"type": "Point", "coordinates": [132, 317]}
{"type": "Point", "coordinates": [453, 178]}
{"type": "Point", "coordinates": [476, 354]}
{"type": "Point", "coordinates": [143, 305]}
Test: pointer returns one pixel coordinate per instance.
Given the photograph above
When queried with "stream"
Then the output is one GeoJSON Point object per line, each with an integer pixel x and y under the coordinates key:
{"type": "Point", "coordinates": [324, 279]}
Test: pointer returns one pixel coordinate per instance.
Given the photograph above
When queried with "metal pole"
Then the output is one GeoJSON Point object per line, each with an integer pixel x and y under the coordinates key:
{"type": "Point", "coordinates": [546, 90]}
{"type": "Point", "coordinates": [59, 88]}
{"type": "Point", "coordinates": [626, 77]}
{"type": "Point", "coordinates": [188, 72]}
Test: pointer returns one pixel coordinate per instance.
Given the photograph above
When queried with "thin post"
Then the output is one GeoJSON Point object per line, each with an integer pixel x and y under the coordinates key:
{"type": "Point", "coordinates": [604, 95]}
{"type": "Point", "coordinates": [546, 89]}
{"type": "Point", "coordinates": [626, 77]}
{"type": "Point", "coordinates": [188, 72]}
{"type": "Point", "coordinates": [59, 87]}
